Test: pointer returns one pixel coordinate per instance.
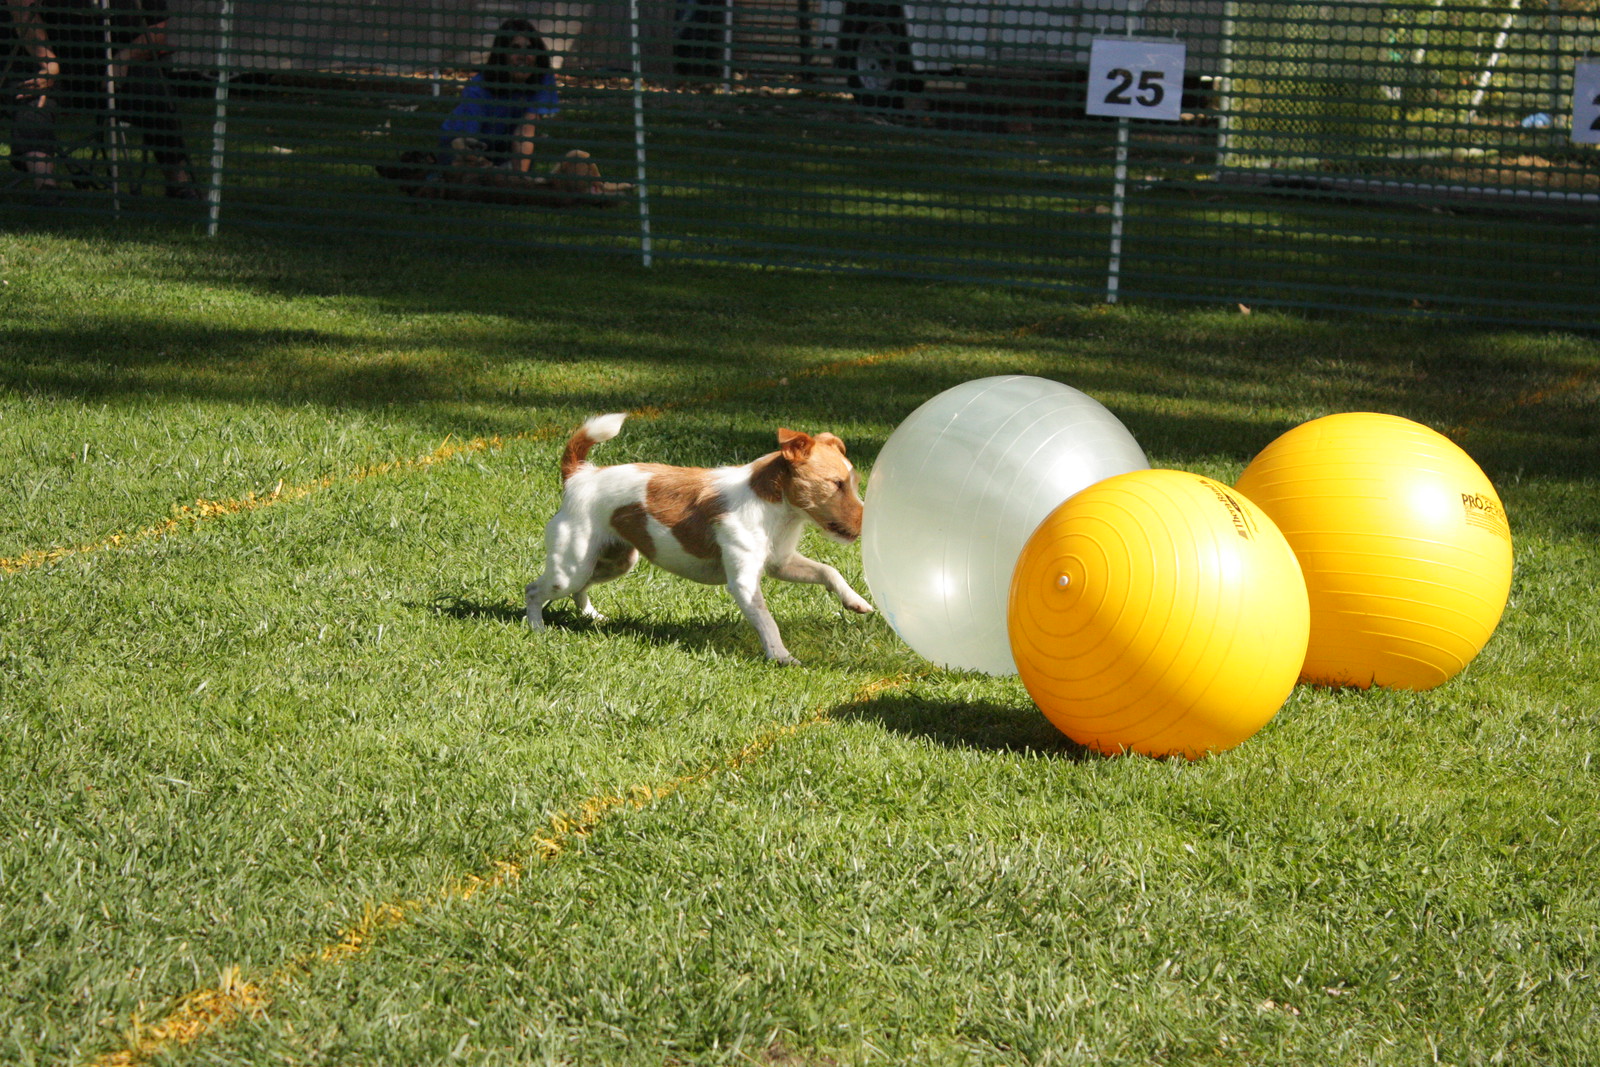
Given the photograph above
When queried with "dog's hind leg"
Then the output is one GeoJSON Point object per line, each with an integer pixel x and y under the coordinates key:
{"type": "Point", "coordinates": [567, 565]}
{"type": "Point", "coordinates": [540, 592]}
{"type": "Point", "coordinates": [615, 561]}
{"type": "Point", "coordinates": [569, 573]}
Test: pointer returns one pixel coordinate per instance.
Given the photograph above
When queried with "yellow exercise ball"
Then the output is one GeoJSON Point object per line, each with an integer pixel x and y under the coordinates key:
{"type": "Point", "coordinates": [1403, 541]}
{"type": "Point", "coordinates": [1160, 612]}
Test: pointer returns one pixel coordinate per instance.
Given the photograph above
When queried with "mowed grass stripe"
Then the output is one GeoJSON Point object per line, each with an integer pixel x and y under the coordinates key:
{"type": "Point", "coordinates": [1533, 397]}
{"type": "Point", "coordinates": [234, 996]}
{"type": "Point", "coordinates": [186, 516]}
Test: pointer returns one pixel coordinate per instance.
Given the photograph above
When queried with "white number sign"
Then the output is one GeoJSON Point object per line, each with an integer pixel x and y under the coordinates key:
{"type": "Point", "coordinates": [1586, 102]}
{"type": "Point", "coordinates": [1136, 78]}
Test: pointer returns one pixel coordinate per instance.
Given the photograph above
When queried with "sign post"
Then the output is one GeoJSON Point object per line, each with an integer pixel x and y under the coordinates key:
{"type": "Point", "coordinates": [1132, 78]}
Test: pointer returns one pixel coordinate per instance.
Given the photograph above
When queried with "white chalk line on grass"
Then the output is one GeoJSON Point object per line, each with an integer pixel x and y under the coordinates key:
{"type": "Point", "coordinates": [236, 996]}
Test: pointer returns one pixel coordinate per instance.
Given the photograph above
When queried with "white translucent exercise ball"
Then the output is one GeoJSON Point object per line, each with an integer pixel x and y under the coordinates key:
{"type": "Point", "coordinates": [958, 488]}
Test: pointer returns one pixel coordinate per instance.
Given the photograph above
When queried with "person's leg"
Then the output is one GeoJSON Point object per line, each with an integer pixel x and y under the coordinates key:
{"type": "Point", "coordinates": [33, 141]}
{"type": "Point", "coordinates": [143, 102]}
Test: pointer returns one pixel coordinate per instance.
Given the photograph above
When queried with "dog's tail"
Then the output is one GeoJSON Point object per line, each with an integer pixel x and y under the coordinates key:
{"type": "Point", "coordinates": [592, 432]}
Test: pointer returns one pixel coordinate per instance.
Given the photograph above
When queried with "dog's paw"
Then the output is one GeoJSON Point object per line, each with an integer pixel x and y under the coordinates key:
{"type": "Point", "coordinates": [859, 606]}
{"type": "Point", "coordinates": [785, 660]}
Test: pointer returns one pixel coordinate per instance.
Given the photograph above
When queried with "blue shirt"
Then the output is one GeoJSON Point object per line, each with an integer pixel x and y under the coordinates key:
{"type": "Point", "coordinates": [493, 115]}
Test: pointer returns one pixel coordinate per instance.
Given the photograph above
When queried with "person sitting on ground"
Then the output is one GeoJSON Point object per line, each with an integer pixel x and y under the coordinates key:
{"type": "Point", "coordinates": [495, 122]}
{"type": "Point", "coordinates": [485, 149]}
{"type": "Point", "coordinates": [69, 41]}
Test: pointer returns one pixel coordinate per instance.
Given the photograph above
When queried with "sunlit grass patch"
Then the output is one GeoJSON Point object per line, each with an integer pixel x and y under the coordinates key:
{"type": "Point", "coordinates": [293, 780]}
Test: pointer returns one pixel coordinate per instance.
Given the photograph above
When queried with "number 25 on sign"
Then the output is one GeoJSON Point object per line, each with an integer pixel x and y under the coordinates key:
{"type": "Point", "coordinates": [1136, 78]}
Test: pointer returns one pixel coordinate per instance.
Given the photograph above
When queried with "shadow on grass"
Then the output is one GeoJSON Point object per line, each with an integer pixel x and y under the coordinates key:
{"type": "Point", "coordinates": [464, 610]}
{"type": "Point", "coordinates": [984, 726]}
{"type": "Point", "coordinates": [512, 342]}
{"type": "Point", "coordinates": [724, 635]}
{"type": "Point", "coordinates": [711, 635]}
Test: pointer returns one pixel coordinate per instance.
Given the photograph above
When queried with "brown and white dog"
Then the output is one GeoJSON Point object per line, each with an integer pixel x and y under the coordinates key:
{"type": "Point", "coordinates": [727, 525]}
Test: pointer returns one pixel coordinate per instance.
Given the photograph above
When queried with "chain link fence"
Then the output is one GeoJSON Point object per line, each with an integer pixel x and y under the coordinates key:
{"type": "Point", "coordinates": [1426, 156]}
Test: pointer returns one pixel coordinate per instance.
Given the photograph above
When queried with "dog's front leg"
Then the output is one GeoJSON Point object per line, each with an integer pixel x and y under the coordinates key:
{"type": "Point", "coordinates": [798, 568]}
{"type": "Point", "coordinates": [745, 585]}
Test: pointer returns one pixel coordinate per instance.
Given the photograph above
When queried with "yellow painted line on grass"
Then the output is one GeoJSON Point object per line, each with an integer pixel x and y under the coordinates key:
{"type": "Point", "coordinates": [208, 1009]}
{"type": "Point", "coordinates": [187, 516]}
{"type": "Point", "coordinates": [212, 1008]}
{"type": "Point", "coordinates": [1527, 399]}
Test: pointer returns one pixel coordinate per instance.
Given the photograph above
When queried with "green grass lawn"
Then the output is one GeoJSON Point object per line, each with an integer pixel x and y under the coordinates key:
{"type": "Point", "coordinates": [287, 780]}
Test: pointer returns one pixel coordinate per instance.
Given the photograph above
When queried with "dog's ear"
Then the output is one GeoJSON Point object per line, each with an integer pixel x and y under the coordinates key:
{"type": "Point", "coordinates": [795, 446]}
{"type": "Point", "coordinates": [831, 440]}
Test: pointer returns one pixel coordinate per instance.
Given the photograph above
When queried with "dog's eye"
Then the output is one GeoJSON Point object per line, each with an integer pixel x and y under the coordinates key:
{"type": "Point", "coordinates": [840, 484]}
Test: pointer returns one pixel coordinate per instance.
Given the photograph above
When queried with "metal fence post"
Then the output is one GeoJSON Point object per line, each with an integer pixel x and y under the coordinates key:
{"type": "Point", "coordinates": [637, 52]}
{"type": "Point", "coordinates": [113, 141]}
{"type": "Point", "coordinates": [1230, 17]}
{"type": "Point", "coordinates": [1119, 198]}
{"type": "Point", "coordinates": [727, 46]}
{"type": "Point", "coordinates": [1497, 52]}
{"type": "Point", "coordinates": [219, 124]}
{"type": "Point", "coordinates": [435, 50]}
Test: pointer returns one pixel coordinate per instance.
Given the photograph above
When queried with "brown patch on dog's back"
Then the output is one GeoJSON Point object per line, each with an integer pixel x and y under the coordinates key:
{"type": "Point", "coordinates": [632, 523]}
{"type": "Point", "coordinates": [684, 500]}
